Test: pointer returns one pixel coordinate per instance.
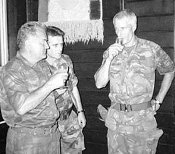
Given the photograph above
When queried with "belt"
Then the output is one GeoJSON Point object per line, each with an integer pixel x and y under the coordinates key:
{"type": "Point", "coordinates": [36, 131]}
{"type": "Point", "coordinates": [133, 107]}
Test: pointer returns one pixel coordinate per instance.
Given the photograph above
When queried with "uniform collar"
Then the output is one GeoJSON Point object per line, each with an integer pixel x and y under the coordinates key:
{"type": "Point", "coordinates": [19, 56]}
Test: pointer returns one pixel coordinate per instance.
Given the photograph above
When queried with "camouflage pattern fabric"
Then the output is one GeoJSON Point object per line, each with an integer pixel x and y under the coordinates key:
{"type": "Point", "coordinates": [17, 79]}
{"type": "Point", "coordinates": [72, 139]}
{"type": "Point", "coordinates": [132, 78]}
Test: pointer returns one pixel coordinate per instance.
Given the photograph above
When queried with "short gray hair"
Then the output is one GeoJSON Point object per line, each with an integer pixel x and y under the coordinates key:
{"type": "Point", "coordinates": [126, 13]}
{"type": "Point", "coordinates": [29, 28]}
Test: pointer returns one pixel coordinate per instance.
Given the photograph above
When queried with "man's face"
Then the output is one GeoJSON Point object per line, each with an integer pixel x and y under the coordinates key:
{"type": "Point", "coordinates": [38, 45]}
{"type": "Point", "coordinates": [124, 30]}
{"type": "Point", "coordinates": [56, 46]}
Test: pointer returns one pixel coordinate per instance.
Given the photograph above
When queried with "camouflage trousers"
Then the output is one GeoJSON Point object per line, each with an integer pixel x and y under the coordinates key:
{"type": "Point", "coordinates": [72, 139]}
{"type": "Point", "coordinates": [24, 141]}
{"type": "Point", "coordinates": [132, 132]}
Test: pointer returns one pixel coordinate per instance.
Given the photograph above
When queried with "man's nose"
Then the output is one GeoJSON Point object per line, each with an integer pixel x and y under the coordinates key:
{"type": "Point", "coordinates": [47, 45]}
{"type": "Point", "coordinates": [119, 33]}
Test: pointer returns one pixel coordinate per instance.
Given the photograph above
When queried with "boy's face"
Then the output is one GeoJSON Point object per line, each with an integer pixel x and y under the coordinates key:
{"type": "Point", "coordinates": [56, 46]}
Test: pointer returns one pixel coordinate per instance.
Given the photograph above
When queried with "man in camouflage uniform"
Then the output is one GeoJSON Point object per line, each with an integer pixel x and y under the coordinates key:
{"type": "Point", "coordinates": [70, 123]}
{"type": "Point", "coordinates": [129, 64]}
{"type": "Point", "coordinates": [26, 98]}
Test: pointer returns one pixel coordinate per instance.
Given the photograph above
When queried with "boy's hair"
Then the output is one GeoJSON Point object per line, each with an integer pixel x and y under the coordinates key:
{"type": "Point", "coordinates": [29, 29]}
{"type": "Point", "coordinates": [54, 31]}
{"type": "Point", "coordinates": [128, 14]}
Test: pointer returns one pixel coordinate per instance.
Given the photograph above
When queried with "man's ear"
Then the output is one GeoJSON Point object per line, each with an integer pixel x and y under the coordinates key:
{"type": "Point", "coordinates": [28, 41]}
{"type": "Point", "coordinates": [134, 27]}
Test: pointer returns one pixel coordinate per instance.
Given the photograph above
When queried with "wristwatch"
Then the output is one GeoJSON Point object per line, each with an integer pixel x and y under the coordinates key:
{"type": "Point", "coordinates": [80, 111]}
{"type": "Point", "coordinates": [157, 101]}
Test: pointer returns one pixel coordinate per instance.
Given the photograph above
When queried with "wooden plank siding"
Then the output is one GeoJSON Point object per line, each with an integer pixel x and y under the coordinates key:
{"type": "Point", "coordinates": [151, 7]}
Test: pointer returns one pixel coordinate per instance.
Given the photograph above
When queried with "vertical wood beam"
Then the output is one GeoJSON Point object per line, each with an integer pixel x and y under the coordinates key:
{"type": "Point", "coordinates": [122, 4]}
{"type": "Point", "coordinates": [174, 30]}
{"type": "Point", "coordinates": [32, 10]}
{"type": "Point", "coordinates": [3, 32]}
{"type": "Point", "coordinates": [174, 61]}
